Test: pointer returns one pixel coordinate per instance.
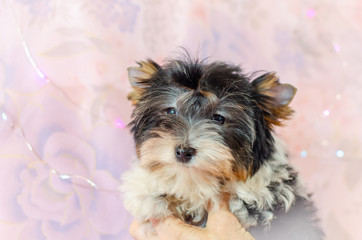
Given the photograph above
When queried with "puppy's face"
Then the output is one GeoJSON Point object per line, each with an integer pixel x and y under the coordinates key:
{"type": "Point", "coordinates": [208, 119]}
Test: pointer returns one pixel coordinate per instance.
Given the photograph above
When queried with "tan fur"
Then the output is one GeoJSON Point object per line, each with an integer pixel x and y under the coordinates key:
{"type": "Point", "coordinates": [188, 187]}
{"type": "Point", "coordinates": [242, 174]}
{"type": "Point", "coordinates": [211, 96]}
{"type": "Point", "coordinates": [255, 189]}
{"type": "Point", "coordinates": [158, 185]}
{"type": "Point", "coordinates": [137, 75]}
{"type": "Point", "coordinates": [279, 112]}
{"type": "Point", "coordinates": [184, 191]}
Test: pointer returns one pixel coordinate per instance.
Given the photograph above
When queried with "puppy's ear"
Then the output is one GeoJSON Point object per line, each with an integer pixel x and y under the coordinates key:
{"type": "Point", "coordinates": [274, 98]}
{"type": "Point", "coordinates": [139, 76]}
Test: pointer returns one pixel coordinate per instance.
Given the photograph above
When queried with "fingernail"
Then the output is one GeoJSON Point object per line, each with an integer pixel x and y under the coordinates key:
{"type": "Point", "coordinates": [154, 222]}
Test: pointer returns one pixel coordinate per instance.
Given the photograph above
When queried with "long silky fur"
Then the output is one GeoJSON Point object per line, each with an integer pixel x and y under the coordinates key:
{"type": "Point", "coordinates": [241, 156]}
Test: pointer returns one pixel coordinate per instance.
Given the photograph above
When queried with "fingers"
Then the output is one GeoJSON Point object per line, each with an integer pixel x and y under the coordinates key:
{"type": "Point", "coordinates": [173, 228]}
{"type": "Point", "coordinates": [133, 230]}
{"type": "Point", "coordinates": [247, 236]}
{"type": "Point", "coordinates": [142, 231]}
{"type": "Point", "coordinates": [219, 204]}
{"type": "Point", "coordinates": [221, 224]}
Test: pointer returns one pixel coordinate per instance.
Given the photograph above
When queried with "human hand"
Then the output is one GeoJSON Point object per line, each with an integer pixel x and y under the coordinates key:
{"type": "Point", "coordinates": [221, 225]}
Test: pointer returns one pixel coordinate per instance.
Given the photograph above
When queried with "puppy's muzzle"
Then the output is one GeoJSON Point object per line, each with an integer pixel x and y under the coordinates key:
{"type": "Point", "coordinates": [184, 154]}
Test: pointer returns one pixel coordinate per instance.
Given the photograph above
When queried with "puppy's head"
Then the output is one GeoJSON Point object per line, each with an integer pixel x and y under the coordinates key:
{"type": "Point", "coordinates": [207, 118]}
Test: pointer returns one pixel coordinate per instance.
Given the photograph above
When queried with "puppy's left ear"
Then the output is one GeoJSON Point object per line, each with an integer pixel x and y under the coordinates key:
{"type": "Point", "coordinates": [139, 78]}
{"type": "Point", "coordinates": [274, 98]}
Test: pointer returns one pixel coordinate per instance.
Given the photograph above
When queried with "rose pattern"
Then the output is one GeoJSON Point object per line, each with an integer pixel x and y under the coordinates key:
{"type": "Point", "coordinates": [65, 130]}
{"type": "Point", "coordinates": [64, 204]}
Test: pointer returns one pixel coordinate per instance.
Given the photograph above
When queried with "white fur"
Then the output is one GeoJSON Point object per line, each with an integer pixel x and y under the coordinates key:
{"type": "Point", "coordinates": [255, 189]}
{"type": "Point", "coordinates": [189, 189]}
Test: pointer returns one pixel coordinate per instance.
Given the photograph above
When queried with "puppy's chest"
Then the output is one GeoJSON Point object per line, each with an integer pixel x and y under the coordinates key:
{"type": "Point", "coordinates": [252, 202]}
{"type": "Point", "coordinates": [188, 201]}
{"type": "Point", "coordinates": [192, 212]}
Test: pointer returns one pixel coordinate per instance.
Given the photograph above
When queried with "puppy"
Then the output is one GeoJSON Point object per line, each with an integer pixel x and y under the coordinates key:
{"type": "Point", "coordinates": [203, 130]}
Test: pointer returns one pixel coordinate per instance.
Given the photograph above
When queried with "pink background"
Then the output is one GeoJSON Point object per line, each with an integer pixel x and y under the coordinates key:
{"type": "Point", "coordinates": [63, 107]}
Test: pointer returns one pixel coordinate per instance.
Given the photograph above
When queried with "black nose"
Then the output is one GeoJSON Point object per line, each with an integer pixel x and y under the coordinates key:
{"type": "Point", "coordinates": [185, 154]}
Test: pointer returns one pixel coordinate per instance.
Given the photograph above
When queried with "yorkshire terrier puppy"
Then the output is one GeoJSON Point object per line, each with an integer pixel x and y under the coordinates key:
{"type": "Point", "coordinates": [203, 130]}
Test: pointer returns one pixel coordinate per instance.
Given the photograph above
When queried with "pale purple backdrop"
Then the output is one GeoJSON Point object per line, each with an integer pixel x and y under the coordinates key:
{"type": "Point", "coordinates": [63, 109]}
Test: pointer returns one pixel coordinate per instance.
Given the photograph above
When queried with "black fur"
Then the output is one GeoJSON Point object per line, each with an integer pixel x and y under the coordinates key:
{"type": "Point", "coordinates": [183, 95]}
{"type": "Point", "coordinates": [299, 223]}
{"type": "Point", "coordinates": [250, 147]}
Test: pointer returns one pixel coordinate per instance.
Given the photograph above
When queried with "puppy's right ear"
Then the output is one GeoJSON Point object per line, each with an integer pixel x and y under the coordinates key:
{"type": "Point", "coordinates": [139, 76]}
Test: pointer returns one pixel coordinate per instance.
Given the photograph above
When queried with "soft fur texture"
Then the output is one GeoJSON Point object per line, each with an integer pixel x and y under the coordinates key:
{"type": "Point", "coordinates": [185, 192]}
{"type": "Point", "coordinates": [221, 123]}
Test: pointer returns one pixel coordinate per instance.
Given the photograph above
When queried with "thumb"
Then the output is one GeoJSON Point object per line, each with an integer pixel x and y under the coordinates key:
{"type": "Point", "coordinates": [221, 203]}
{"type": "Point", "coordinates": [172, 228]}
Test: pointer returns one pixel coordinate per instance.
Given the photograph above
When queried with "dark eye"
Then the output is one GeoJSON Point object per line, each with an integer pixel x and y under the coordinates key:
{"type": "Point", "coordinates": [218, 118]}
{"type": "Point", "coordinates": [171, 111]}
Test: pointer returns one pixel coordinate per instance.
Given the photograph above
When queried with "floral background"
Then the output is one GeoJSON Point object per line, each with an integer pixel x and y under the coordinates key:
{"type": "Point", "coordinates": [64, 141]}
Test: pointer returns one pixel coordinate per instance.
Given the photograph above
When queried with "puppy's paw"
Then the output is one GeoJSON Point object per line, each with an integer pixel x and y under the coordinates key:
{"type": "Point", "coordinates": [142, 197]}
{"type": "Point", "coordinates": [145, 206]}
